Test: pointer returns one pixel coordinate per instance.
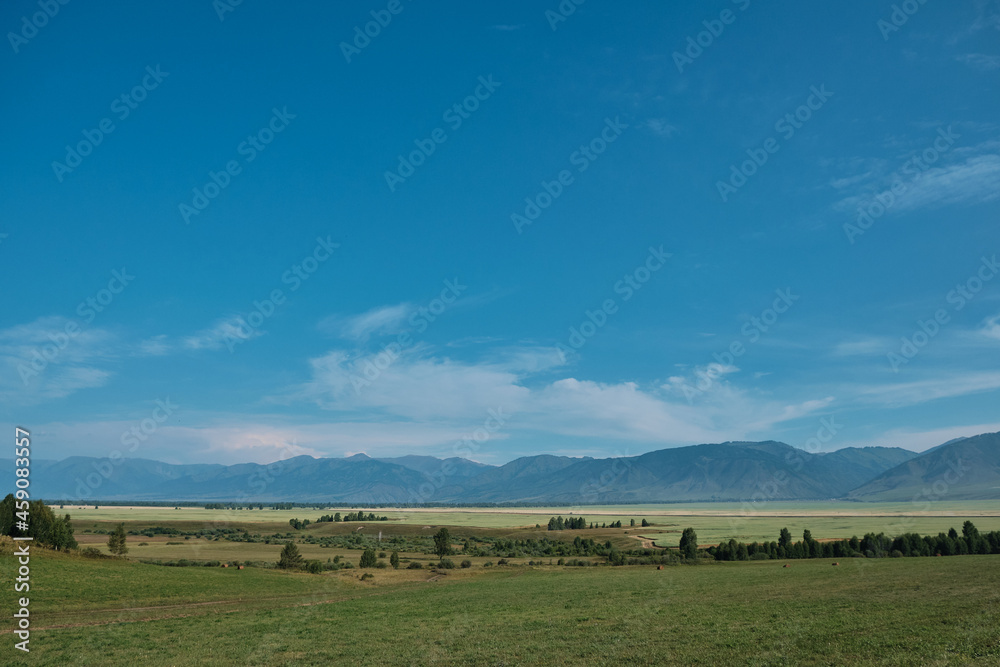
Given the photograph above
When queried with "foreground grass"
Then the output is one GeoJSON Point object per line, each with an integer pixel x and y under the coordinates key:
{"type": "Point", "coordinates": [887, 612]}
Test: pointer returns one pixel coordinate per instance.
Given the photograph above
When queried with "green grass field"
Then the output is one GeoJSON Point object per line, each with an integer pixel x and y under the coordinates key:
{"type": "Point", "coordinates": [906, 611]}
{"type": "Point", "coordinates": [713, 522]}
{"type": "Point", "coordinates": [895, 611]}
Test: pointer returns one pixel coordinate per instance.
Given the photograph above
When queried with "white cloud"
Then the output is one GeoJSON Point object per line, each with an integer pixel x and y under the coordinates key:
{"type": "Point", "coordinates": [157, 346]}
{"type": "Point", "coordinates": [219, 334]}
{"type": "Point", "coordinates": [919, 441]}
{"type": "Point", "coordinates": [922, 391]}
{"type": "Point", "coordinates": [661, 127]}
{"type": "Point", "coordinates": [972, 177]}
{"type": "Point", "coordinates": [980, 61]}
{"type": "Point", "coordinates": [420, 388]}
{"type": "Point", "coordinates": [53, 357]}
{"type": "Point", "coordinates": [379, 321]}
{"type": "Point", "coordinates": [974, 181]}
{"type": "Point", "coordinates": [991, 327]}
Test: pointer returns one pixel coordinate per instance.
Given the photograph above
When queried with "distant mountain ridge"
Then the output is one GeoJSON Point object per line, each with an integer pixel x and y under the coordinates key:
{"type": "Point", "coordinates": [729, 471]}
{"type": "Point", "coordinates": [960, 469]}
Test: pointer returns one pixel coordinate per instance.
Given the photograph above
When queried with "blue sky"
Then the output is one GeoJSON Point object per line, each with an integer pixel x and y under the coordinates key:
{"type": "Point", "coordinates": [303, 243]}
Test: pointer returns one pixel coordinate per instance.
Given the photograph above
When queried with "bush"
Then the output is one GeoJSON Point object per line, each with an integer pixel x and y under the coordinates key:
{"type": "Point", "coordinates": [143, 544]}
{"type": "Point", "coordinates": [314, 567]}
{"type": "Point", "coordinates": [366, 576]}
{"type": "Point", "coordinates": [368, 558]}
{"type": "Point", "coordinates": [466, 564]}
{"type": "Point", "coordinates": [896, 553]}
{"type": "Point", "coordinates": [502, 561]}
{"type": "Point", "coordinates": [415, 565]}
{"type": "Point", "coordinates": [488, 564]}
{"type": "Point", "coordinates": [381, 565]}
{"type": "Point", "coordinates": [447, 564]}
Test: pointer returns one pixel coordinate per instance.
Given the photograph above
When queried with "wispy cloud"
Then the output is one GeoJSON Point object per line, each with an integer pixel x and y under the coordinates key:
{"type": "Point", "coordinates": [866, 346]}
{"type": "Point", "coordinates": [972, 178]}
{"type": "Point", "coordinates": [902, 394]}
{"type": "Point", "coordinates": [991, 327]}
{"type": "Point", "coordinates": [661, 127]}
{"type": "Point", "coordinates": [223, 332]}
{"type": "Point", "coordinates": [980, 61]}
{"type": "Point", "coordinates": [53, 357]}
{"type": "Point", "coordinates": [921, 440]}
{"type": "Point", "coordinates": [378, 321]}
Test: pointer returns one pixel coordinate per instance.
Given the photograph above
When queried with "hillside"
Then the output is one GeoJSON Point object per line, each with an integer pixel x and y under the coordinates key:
{"type": "Point", "coordinates": [966, 469]}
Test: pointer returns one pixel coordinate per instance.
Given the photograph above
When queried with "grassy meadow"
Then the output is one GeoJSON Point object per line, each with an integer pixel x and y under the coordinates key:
{"type": "Point", "coordinates": [532, 611]}
{"type": "Point", "coordinates": [927, 611]}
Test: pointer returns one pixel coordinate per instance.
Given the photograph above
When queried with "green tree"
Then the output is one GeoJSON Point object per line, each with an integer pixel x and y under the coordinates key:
{"type": "Point", "coordinates": [116, 541]}
{"type": "Point", "coordinates": [689, 543]}
{"type": "Point", "coordinates": [442, 543]}
{"type": "Point", "coordinates": [969, 530]}
{"type": "Point", "coordinates": [368, 558]}
{"type": "Point", "coordinates": [7, 515]}
{"type": "Point", "coordinates": [290, 557]}
{"type": "Point", "coordinates": [394, 560]}
{"type": "Point", "coordinates": [644, 523]}
{"type": "Point", "coordinates": [785, 539]}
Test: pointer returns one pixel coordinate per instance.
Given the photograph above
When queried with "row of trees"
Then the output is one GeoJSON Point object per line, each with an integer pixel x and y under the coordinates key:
{"type": "Point", "coordinates": [872, 545]}
{"type": "Point", "coordinates": [569, 523]}
{"type": "Point", "coordinates": [580, 523]}
{"type": "Point", "coordinates": [291, 559]}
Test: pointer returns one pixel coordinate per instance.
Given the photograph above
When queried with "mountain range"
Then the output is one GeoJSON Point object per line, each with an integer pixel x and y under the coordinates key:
{"type": "Point", "coordinates": [962, 469]}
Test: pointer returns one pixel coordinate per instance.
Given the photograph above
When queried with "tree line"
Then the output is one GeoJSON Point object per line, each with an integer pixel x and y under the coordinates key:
{"type": "Point", "coordinates": [872, 545]}
{"type": "Point", "coordinates": [351, 516]}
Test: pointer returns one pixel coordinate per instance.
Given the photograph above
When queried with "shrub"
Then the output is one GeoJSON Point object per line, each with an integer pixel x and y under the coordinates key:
{"type": "Point", "coordinates": [488, 564]}
{"type": "Point", "coordinates": [447, 564]}
{"type": "Point", "coordinates": [314, 567]}
{"type": "Point", "coordinates": [415, 565]}
{"type": "Point", "coordinates": [466, 564]}
{"type": "Point", "coordinates": [381, 565]}
{"type": "Point", "coordinates": [143, 544]}
{"type": "Point", "coordinates": [366, 576]}
{"type": "Point", "coordinates": [502, 561]}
